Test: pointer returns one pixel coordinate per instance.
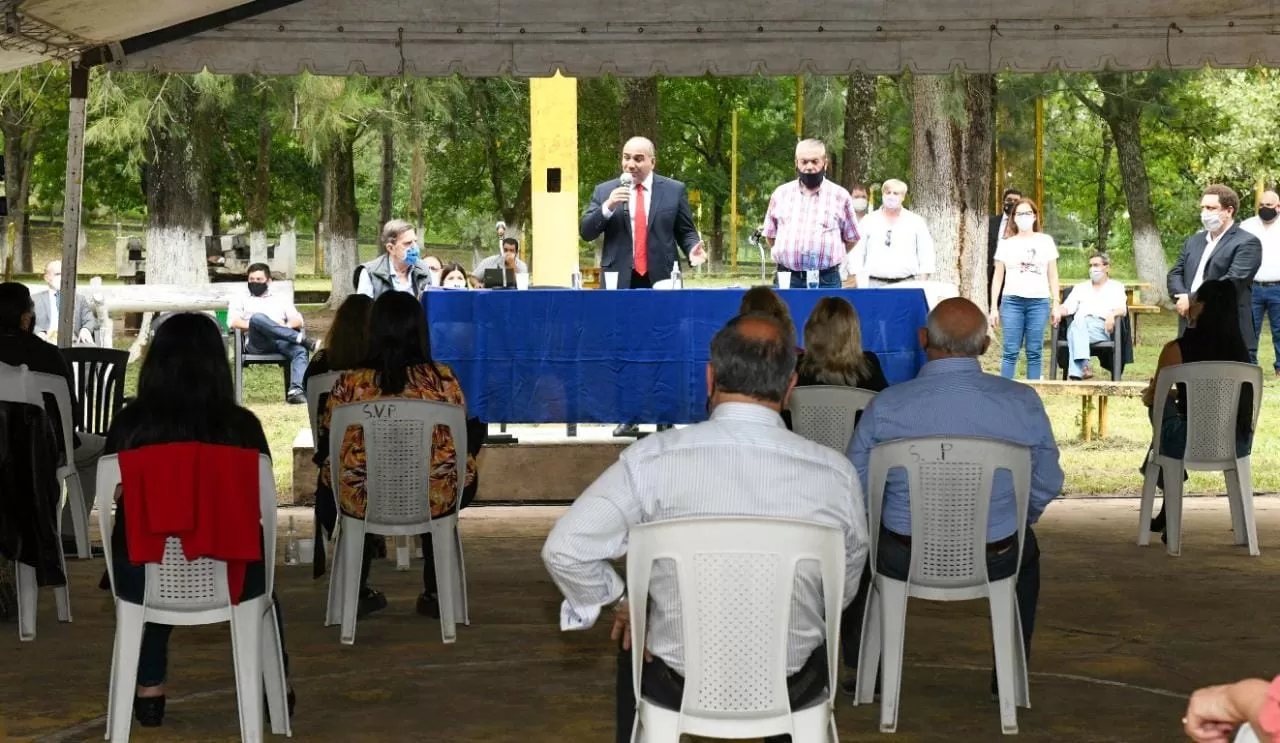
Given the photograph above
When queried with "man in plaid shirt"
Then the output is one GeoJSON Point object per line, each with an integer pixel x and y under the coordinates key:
{"type": "Point", "coordinates": [810, 224]}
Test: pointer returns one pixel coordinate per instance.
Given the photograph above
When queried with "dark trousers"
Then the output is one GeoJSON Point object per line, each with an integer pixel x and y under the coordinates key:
{"type": "Point", "coordinates": [640, 282]}
{"type": "Point", "coordinates": [664, 687]}
{"type": "Point", "coordinates": [266, 336]}
{"type": "Point", "coordinates": [1266, 301]}
{"type": "Point", "coordinates": [893, 560]}
{"type": "Point", "coordinates": [828, 278]}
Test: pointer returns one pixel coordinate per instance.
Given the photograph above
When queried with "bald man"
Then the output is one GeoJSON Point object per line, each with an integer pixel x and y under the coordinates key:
{"type": "Point", "coordinates": [952, 396]}
{"type": "Point", "coordinates": [646, 223]}
{"type": "Point", "coordinates": [1266, 284]}
{"type": "Point", "coordinates": [48, 306]}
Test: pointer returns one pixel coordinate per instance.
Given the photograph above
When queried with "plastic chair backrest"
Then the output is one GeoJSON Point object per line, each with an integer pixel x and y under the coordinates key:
{"type": "Point", "coordinates": [949, 485]}
{"type": "Point", "coordinates": [735, 578]}
{"type": "Point", "coordinates": [827, 414]}
{"type": "Point", "coordinates": [99, 393]}
{"type": "Point", "coordinates": [56, 385]}
{"type": "Point", "coordinates": [317, 387]}
{"type": "Point", "coordinates": [16, 386]}
{"type": "Point", "coordinates": [1213, 403]}
{"type": "Point", "coordinates": [398, 446]}
{"type": "Point", "coordinates": [177, 586]}
{"type": "Point", "coordinates": [1246, 735]}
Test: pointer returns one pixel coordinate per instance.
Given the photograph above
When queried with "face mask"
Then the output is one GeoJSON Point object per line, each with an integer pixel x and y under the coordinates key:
{"type": "Point", "coordinates": [1211, 220]}
{"type": "Point", "coordinates": [455, 282]}
{"type": "Point", "coordinates": [257, 289]}
{"type": "Point", "coordinates": [812, 180]}
{"type": "Point", "coordinates": [1025, 222]}
{"type": "Point", "coordinates": [859, 204]}
{"type": "Point", "coordinates": [411, 255]}
{"type": "Point", "coordinates": [435, 277]}
{"type": "Point", "coordinates": [892, 201]}
{"type": "Point", "coordinates": [1266, 213]}
{"type": "Point", "coordinates": [1097, 274]}
{"type": "Point", "coordinates": [1008, 206]}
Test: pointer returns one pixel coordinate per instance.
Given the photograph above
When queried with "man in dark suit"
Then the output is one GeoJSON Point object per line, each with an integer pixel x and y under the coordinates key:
{"type": "Point", "coordinates": [995, 230]}
{"type": "Point", "coordinates": [46, 323]}
{"type": "Point", "coordinates": [646, 224]}
{"type": "Point", "coordinates": [1223, 250]}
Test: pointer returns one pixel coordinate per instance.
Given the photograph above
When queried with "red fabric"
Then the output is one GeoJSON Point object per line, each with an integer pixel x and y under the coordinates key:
{"type": "Point", "coordinates": [205, 494]}
{"type": "Point", "coordinates": [641, 231]}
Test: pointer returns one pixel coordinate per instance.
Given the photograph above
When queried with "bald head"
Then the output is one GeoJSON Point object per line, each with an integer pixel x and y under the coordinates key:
{"type": "Point", "coordinates": [956, 328]}
{"type": "Point", "coordinates": [638, 158]}
{"type": "Point", "coordinates": [753, 359]}
{"type": "Point", "coordinates": [1267, 206]}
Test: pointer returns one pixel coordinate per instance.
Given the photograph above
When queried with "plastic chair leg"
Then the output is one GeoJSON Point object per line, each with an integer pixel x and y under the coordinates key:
{"type": "Point", "coordinates": [1148, 502]}
{"type": "Point", "coordinates": [444, 547]}
{"type": "Point", "coordinates": [62, 594]}
{"type": "Point", "coordinates": [1007, 647]}
{"type": "Point", "coordinates": [352, 554]}
{"type": "Point", "coordinates": [333, 611]}
{"type": "Point", "coordinates": [246, 648]}
{"type": "Point", "coordinates": [274, 680]}
{"type": "Point", "coordinates": [464, 610]}
{"type": "Point", "coordinates": [893, 618]}
{"type": "Point", "coordinates": [869, 649]}
{"type": "Point", "coordinates": [124, 669]}
{"type": "Point", "coordinates": [1242, 480]}
{"type": "Point", "coordinates": [27, 590]}
{"type": "Point", "coordinates": [1173, 506]}
{"type": "Point", "coordinates": [79, 513]}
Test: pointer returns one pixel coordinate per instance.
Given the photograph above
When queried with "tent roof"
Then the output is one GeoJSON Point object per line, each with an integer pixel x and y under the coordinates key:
{"type": "Point", "coordinates": [723, 37]}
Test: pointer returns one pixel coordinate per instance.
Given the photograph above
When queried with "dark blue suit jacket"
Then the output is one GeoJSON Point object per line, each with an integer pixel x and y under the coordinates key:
{"type": "Point", "coordinates": [671, 229]}
{"type": "Point", "coordinates": [1236, 259]}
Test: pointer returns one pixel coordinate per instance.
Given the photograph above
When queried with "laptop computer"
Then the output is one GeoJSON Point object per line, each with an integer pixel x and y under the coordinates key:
{"type": "Point", "coordinates": [493, 278]}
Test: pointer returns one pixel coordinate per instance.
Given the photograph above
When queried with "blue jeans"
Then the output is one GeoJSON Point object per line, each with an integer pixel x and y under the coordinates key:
{"type": "Point", "coordinates": [1023, 320]}
{"type": "Point", "coordinates": [828, 278]}
{"type": "Point", "coordinates": [267, 336]}
{"type": "Point", "coordinates": [1266, 299]}
{"type": "Point", "coordinates": [1082, 332]}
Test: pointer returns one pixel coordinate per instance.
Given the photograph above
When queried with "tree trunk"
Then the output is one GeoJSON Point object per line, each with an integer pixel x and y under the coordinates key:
{"type": "Point", "coordinates": [1104, 208]}
{"type": "Point", "coordinates": [417, 179]}
{"type": "Point", "coordinates": [260, 197]}
{"type": "Point", "coordinates": [859, 129]}
{"type": "Point", "coordinates": [388, 175]}
{"type": "Point", "coordinates": [340, 226]}
{"type": "Point", "coordinates": [638, 116]}
{"type": "Point", "coordinates": [177, 213]}
{"type": "Point", "coordinates": [19, 154]}
{"type": "Point", "coordinates": [951, 162]}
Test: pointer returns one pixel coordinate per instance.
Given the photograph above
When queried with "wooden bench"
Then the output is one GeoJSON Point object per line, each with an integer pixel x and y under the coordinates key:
{"type": "Point", "coordinates": [1087, 391]}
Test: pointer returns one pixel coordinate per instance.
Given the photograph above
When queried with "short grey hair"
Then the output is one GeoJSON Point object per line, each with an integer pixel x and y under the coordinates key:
{"type": "Point", "coordinates": [391, 231]}
{"type": "Point", "coordinates": [970, 345]}
{"type": "Point", "coordinates": [806, 144]}
{"type": "Point", "coordinates": [893, 183]}
{"type": "Point", "coordinates": [760, 368]}
{"type": "Point", "coordinates": [1106, 259]}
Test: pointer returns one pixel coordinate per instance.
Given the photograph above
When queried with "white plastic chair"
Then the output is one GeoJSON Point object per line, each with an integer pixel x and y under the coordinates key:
{"type": "Point", "coordinates": [735, 577]}
{"type": "Point", "coordinates": [1213, 401]}
{"type": "Point", "coordinates": [55, 385]}
{"type": "Point", "coordinates": [949, 481]}
{"type": "Point", "coordinates": [185, 593]}
{"type": "Point", "coordinates": [826, 414]}
{"type": "Point", "coordinates": [398, 443]}
{"type": "Point", "coordinates": [16, 385]}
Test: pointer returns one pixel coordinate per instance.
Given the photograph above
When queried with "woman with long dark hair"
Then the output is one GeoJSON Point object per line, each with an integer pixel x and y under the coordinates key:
{"type": "Point", "coordinates": [400, 365]}
{"type": "Point", "coordinates": [1213, 334]}
{"type": "Point", "coordinates": [185, 394]}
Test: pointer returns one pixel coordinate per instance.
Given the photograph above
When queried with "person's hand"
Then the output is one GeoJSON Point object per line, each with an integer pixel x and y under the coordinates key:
{"type": "Point", "coordinates": [621, 630]}
{"type": "Point", "coordinates": [1183, 305]}
{"type": "Point", "coordinates": [698, 255]}
{"type": "Point", "coordinates": [619, 195]}
{"type": "Point", "coordinates": [994, 317]}
{"type": "Point", "coordinates": [1109, 324]}
{"type": "Point", "coordinates": [1214, 711]}
{"type": "Point", "coordinates": [86, 337]}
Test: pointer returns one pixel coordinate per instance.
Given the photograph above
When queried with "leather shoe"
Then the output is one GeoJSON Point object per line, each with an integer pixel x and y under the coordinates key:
{"type": "Point", "coordinates": [626, 429]}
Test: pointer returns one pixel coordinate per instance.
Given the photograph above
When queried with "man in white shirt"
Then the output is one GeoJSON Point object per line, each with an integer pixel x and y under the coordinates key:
{"type": "Point", "coordinates": [895, 244]}
{"type": "Point", "coordinates": [861, 207]}
{"type": "Point", "coordinates": [1096, 304]}
{"type": "Point", "coordinates": [1266, 283]}
{"type": "Point", "coordinates": [272, 325]}
{"type": "Point", "coordinates": [509, 259]}
{"type": "Point", "coordinates": [741, 462]}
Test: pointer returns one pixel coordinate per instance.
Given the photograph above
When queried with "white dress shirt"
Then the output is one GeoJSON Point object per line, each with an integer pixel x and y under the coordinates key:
{"type": "Point", "coordinates": [1088, 300]}
{"type": "Point", "coordinates": [742, 462]}
{"type": "Point", "coordinates": [1269, 236]}
{"type": "Point", "coordinates": [1211, 242]}
{"type": "Point", "coordinates": [275, 307]}
{"type": "Point", "coordinates": [606, 212]}
{"type": "Point", "coordinates": [893, 251]}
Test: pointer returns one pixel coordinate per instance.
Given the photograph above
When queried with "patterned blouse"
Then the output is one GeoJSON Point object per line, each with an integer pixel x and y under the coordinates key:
{"type": "Point", "coordinates": [425, 383]}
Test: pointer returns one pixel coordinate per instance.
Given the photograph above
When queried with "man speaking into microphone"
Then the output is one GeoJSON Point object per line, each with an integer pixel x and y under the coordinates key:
{"type": "Point", "coordinates": [645, 219]}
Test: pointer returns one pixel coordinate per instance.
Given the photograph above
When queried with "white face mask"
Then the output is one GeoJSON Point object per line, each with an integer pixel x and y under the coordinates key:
{"type": "Point", "coordinates": [455, 282]}
{"type": "Point", "coordinates": [859, 204]}
{"type": "Point", "coordinates": [892, 201]}
{"type": "Point", "coordinates": [1211, 220]}
{"type": "Point", "coordinates": [1025, 222]}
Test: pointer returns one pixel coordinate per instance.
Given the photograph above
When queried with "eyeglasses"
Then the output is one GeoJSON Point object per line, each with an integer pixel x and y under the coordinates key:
{"type": "Point", "coordinates": [1024, 214]}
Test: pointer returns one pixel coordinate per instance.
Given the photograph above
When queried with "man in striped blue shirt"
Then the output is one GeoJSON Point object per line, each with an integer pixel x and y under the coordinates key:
{"type": "Point", "coordinates": [952, 396]}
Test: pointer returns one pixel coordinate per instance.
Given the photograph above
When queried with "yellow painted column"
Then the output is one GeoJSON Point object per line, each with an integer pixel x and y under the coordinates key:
{"type": "Point", "coordinates": [553, 130]}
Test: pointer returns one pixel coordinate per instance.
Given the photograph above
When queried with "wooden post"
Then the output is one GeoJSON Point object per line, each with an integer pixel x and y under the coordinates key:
{"type": "Point", "coordinates": [1086, 418]}
{"type": "Point", "coordinates": [1040, 151]}
{"type": "Point", "coordinates": [800, 106]}
{"type": "Point", "coordinates": [733, 192]}
{"type": "Point", "coordinates": [71, 210]}
{"type": "Point", "coordinates": [1102, 416]}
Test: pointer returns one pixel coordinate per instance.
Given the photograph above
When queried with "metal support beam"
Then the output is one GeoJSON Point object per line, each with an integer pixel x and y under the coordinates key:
{"type": "Point", "coordinates": [71, 210]}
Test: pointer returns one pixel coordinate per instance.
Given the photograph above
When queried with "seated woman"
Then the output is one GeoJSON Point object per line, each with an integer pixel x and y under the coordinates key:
{"type": "Point", "coordinates": [346, 346]}
{"type": "Point", "coordinates": [184, 394]}
{"type": "Point", "coordinates": [1213, 334]}
{"type": "Point", "coordinates": [454, 276]}
{"type": "Point", "coordinates": [833, 349]}
{"type": "Point", "coordinates": [764, 299]}
{"type": "Point", "coordinates": [400, 365]}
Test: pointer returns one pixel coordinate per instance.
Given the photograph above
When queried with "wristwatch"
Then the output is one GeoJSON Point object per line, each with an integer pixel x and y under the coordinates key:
{"type": "Point", "coordinates": [617, 602]}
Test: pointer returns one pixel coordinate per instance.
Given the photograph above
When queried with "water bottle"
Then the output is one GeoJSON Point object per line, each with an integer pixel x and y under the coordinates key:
{"type": "Point", "coordinates": [291, 556]}
{"type": "Point", "coordinates": [677, 281]}
{"type": "Point", "coordinates": [575, 280]}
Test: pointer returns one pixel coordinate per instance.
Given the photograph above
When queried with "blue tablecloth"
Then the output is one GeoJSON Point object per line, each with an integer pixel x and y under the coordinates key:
{"type": "Point", "coordinates": [562, 356]}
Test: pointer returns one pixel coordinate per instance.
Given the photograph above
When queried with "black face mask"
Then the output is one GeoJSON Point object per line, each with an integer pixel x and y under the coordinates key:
{"type": "Point", "coordinates": [1008, 206]}
{"type": "Point", "coordinates": [812, 180]}
{"type": "Point", "coordinates": [1266, 213]}
{"type": "Point", "coordinates": [257, 289]}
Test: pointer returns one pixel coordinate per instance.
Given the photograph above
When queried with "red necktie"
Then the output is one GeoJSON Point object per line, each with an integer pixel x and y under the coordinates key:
{"type": "Point", "coordinates": [641, 232]}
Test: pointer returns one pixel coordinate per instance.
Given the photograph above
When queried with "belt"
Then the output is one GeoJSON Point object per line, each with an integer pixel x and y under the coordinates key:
{"type": "Point", "coordinates": [992, 547]}
{"type": "Point", "coordinates": [883, 280]}
{"type": "Point", "coordinates": [1266, 283]}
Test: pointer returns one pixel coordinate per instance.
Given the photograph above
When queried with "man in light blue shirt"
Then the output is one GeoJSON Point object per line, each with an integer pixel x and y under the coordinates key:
{"type": "Point", "coordinates": [952, 396]}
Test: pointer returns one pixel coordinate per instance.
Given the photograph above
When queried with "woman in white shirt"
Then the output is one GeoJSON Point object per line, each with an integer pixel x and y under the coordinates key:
{"type": "Point", "coordinates": [1027, 270]}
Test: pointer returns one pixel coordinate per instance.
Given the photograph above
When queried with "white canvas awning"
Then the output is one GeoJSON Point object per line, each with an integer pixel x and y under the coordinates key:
{"type": "Point", "coordinates": [672, 37]}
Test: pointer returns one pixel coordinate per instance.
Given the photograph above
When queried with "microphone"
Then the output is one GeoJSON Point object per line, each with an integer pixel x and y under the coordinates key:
{"type": "Point", "coordinates": [626, 179]}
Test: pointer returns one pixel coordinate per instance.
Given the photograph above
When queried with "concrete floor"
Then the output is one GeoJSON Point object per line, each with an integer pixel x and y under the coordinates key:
{"type": "Point", "coordinates": [1124, 635]}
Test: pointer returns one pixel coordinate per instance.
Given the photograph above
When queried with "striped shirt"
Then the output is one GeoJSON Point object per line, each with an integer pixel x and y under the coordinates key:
{"type": "Point", "coordinates": [810, 228]}
{"type": "Point", "coordinates": [742, 462]}
{"type": "Point", "coordinates": [953, 397]}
